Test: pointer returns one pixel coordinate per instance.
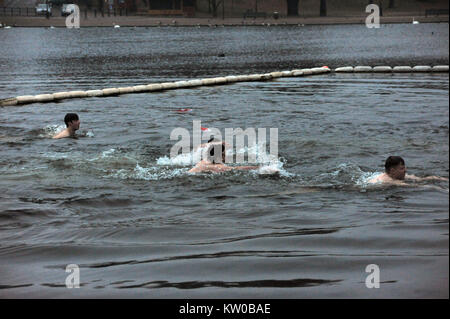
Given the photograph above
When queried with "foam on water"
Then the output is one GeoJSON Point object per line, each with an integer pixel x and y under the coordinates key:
{"type": "Point", "coordinates": [187, 159]}
{"type": "Point", "coordinates": [347, 174]}
{"type": "Point", "coordinates": [148, 173]}
{"type": "Point", "coordinates": [365, 177]}
{"type": "Point", "coordinates": [51, 130]}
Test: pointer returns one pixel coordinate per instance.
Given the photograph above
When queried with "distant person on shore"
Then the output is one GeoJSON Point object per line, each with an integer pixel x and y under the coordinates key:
{"type": "Point", "coordinates": [215, 163]}
{"type": "Point", "coordinates": [395, 173]}
{"type": "Point", "coordinates": [72, 123]}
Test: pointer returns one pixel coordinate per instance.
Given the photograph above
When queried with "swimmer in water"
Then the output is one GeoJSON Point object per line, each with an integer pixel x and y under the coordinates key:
{"type": "Point", "coordinates": [215, 163]}
{"type": "Point", "coordinates": [395, 173]}
{"type": "Point", "coordinates": [73, 124]}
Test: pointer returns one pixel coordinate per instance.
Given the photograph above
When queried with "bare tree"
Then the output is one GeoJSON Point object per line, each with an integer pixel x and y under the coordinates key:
{"type": "Point", "coordinates": [214, 5]}
{"type": "Point", "coordinates": [323, 8]}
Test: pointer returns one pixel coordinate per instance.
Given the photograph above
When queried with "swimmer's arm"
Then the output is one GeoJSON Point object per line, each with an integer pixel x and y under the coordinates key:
{"type": "Point", "coordinates": [194, 170]}
{"type": "Point", "coordinates": [197, 168]}
{"type": "Point", "coordinates": [400, 183]}
{"type": "Point", "coordinates": [428, 178]}
{"type": "Point", "coordinates": [248, 168]}
{"type": "Point", "coordinates": [210, 168]}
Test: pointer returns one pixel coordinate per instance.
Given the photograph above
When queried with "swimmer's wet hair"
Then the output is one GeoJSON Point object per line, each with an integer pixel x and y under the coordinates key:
{"type": "Point", "coordinates": [393, 161]}
{"type": "Point", "coordinates": [211, 152]}
{"type": "Point", "coordinates": [213, 139]}
{"type": "Point", "coordinates": [70, 117]}
{"type": "Point", "coordinates": [211, 149]}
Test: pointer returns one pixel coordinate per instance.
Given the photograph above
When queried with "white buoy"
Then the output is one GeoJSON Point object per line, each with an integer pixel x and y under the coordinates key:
{"type": "Point", "coordinates": [61, 95]}
{"type": "Point", "coordinates": [94, 93]}
{"type": "Point", "coordinates": [382, 69]}
{"type": "Point", "coordinates": [297, 73]}
{"type": "Point", "coordinates": [243, 78]}
{"type": "Point", "coordinates": [231, 79]}
{"type": "Point", "coordinates": [77, 94]}
{"type": "Point", "coordinates": [286, 73]}
{"type": "Point", "coordinates": [194, 83]}
{"type": "Point", "coordinates": [140, 88]}
{"type": "Point", "coordinates": [220, 80]}
{"type": "Point", "coordinates": [9, 102]}
{"type": "Point", "coordinates": [307, 71]}
{"type": "Point", "coordinates": [44, 98]}
{"type": "Point", "coordinates": [345, 69]}
{"type": "Point", "coordinates": [402, 69]}
{"type": "Point", "coordinates": [126, 90]}
{"type": "Point", "coordinates": [362, 69]}
{"type": "Point", "coordinates": [421, 68]}
{"type": "Point", "coordinates": [266, 76]}
{"type": "Point", "coordinates": [440, 68]}
{"type": "Point", "coordinates": [168, 85]}
{"type": "Point", "coordinates": [182, 84]}
{"type": "Point", "coordinates": [255, 77]}
{"type": "Point", "coordinates": [24, 99]}
{"type": "Point", "coordinates": [110, 91]}
{"type": "Point", "coordinates": [319, 70]}
{"type": "Point", "coordinates": [154, 87]}
{"type": "Point", "coordinates": [276, 74]}
{"type": "Point", "coordinates": [208, 82]}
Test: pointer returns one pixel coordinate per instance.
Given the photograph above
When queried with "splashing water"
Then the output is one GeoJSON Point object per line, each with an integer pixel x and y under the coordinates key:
{"type": "Point", "coordinates": [50, 130]}
{"type": "Point", "coordinates": [270, 164]}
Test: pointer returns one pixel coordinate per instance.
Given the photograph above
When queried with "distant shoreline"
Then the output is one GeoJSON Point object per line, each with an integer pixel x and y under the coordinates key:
{"type": "Point", "coordinates": [151, 21]}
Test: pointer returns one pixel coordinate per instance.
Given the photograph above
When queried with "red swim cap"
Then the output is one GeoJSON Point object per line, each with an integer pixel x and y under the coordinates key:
{"type": "Point", "coordinates": [183, 110]}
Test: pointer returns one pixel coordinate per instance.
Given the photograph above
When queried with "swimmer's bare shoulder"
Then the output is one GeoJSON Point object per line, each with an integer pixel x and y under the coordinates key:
{"type": "Point", "coordinates": [386, 180]}
{"type": "Point", "coordinates": [64, 133]}
{"type": "Point", "coordinates": [381, 178]}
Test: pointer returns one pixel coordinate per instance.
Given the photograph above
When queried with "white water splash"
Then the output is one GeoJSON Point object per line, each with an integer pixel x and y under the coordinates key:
{"type": "Point", "coordinates": [269, 164]}
{"type": "Point", "coordinates": [51, 130]}
{"type": "Point", "coordinates": [148, 173]}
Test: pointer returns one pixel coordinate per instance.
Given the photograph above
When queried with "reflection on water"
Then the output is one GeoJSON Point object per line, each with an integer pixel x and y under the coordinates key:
{"type": "Point", "coordinates": [137, 224]}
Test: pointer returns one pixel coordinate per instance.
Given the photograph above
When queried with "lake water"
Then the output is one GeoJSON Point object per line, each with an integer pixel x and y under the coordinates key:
{"type": "Point", "coordinates": [138, 225]}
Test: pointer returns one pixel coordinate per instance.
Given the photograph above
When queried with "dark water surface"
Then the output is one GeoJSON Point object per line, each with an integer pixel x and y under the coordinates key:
{"type": "Point", "coordinates": [138, 225]}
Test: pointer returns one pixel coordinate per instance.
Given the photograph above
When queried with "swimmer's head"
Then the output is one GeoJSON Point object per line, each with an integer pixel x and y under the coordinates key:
{"type": "Point", "coordinates": [213, 140]}
{"type": "Point", "coordinates": [72, 121]}
{"type": "Point", "coordinates": [395, 167]}
{"type": "Point", "coordinates": [216, 153]}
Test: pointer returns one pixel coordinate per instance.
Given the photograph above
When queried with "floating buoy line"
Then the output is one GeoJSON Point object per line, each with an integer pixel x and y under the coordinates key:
{"type": "Point", "coordinates": [157, 87]}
